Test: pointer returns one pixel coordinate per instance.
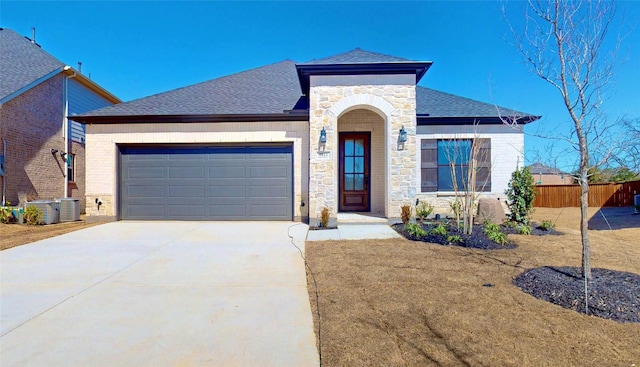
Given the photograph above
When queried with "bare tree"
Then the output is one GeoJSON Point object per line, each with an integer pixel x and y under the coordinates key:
{"type": "Point", "coordinates": [468, 158]}
{"type": "Point", "coordinates": [565, 43]}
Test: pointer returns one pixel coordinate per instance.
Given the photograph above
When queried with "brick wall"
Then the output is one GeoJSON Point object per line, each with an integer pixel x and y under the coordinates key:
{"type": "Point", "coordinates": [32, 125]}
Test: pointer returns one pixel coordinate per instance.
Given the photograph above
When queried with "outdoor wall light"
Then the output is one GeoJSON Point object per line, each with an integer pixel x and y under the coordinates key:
{"type": "Point", "coordinates": [403, 135]}
{"type": "Point", "coordinates": [323, 135]}
{"type": "Point", "coordinates": [63, 155]}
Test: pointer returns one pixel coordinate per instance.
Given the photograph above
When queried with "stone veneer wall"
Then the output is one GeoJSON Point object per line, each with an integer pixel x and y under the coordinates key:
{"type": "Point", "coordinates": [102, 153]}
{"type": "Point", "coordinates": [394, 98]}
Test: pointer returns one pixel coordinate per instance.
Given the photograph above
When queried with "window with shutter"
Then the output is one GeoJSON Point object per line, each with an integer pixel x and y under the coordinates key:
{"type": "Point", "coordinates": [437, 156]}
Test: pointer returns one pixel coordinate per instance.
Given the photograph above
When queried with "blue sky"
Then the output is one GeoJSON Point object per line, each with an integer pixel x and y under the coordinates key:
{"type": "Point", "coordinates": [136, 49]}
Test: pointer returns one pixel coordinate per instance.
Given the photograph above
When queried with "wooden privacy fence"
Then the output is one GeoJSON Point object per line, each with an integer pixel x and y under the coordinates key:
{"type": "Point", "coordinates": [606, 194]}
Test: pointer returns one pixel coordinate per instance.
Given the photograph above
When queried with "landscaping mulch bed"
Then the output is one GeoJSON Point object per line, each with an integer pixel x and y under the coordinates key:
{"type": "Point", "coordinates": [536, 230]}
{"type": "Point", "coordinates": [613, 295]}
{"type": "Point", "coordinates": [477, 239]}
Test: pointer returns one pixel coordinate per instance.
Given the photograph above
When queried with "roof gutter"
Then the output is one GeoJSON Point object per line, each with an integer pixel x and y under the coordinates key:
{"type": "Point", "coordinates": [141, 119]}
{"type": "Point", "coordinates": [471, 120]}
{"type": "Point", "coordinates": [68, 70]}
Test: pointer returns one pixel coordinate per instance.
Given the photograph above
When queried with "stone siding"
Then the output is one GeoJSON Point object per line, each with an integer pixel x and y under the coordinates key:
{"type": "Point", "coordinates": [397, 107]}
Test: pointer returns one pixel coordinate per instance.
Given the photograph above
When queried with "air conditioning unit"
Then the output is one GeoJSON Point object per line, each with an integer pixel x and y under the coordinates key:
{"type": "Point", "coordinates": [50, 209]}
{"type": "Point", "coordinates": [636, 204]}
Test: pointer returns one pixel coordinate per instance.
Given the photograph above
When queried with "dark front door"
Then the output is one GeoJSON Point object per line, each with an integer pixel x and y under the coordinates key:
{"type": "Point", "coordinates": [354, 172]}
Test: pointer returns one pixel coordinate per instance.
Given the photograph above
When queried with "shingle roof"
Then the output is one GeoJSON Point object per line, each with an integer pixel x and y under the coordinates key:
{"type": "Point", "coordinates": [275, 89]}
{"type": "Point", "coordinates": [440, 104]}
{"type": "Point", "coordinates": [541, 169]}
{"type": "Point", "coordinates": [22, 62]}
{"type": "Point", "coordinates": [357, 56]}
{"type": "Point", "coordinates": [270, 89]}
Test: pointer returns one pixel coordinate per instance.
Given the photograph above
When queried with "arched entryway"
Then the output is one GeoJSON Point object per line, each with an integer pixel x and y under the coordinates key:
{"type": "Point", "coordinates": [361, 162]}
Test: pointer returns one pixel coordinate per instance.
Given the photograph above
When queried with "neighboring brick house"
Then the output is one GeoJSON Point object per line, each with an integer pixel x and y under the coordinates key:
{"type": "Point", "coordinates": [351, 133]}
{"type": "Point", "coordinates": [43, 153]}
{"type": "Point", "coordinates": [545, 175]}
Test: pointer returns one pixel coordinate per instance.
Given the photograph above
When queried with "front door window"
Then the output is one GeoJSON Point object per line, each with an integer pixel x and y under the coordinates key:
{"type": "Point", "coordinates": [354, 171]}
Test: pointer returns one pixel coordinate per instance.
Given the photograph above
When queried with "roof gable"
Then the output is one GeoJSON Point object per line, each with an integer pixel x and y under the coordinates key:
{"type": "Point", "coordinates": [22, 63]}
{"type": "Point", "coordinates": [357, 56]}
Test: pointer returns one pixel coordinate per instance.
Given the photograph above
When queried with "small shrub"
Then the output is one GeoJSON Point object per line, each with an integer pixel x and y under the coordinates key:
{"type": "Point", "coordinates": [491, 227]}
{"type": "Point", "coordinates": [524, 229]}
{"type": "Point", "coordinates": [5, 214]}
{"type": "Point", "coordinates": [423, 210]}
{"type": "Point", "coordinates": [493, 232]}
{"type": "Point", "coordinates": [33, 215]}
{"type": "Point", "coordinates": [324, 217]}
{"type": "Point", "coordinates": [497, 237]}
{"type": "Point", "coordinates": [520, 193]}
{"type": "Point", "coordinates": [547, 225]}
{"type": "Point", "coordinates": [456, 207]}
{"type": "Point", "coordinates": [454, 238]}
{"type": "Point", "coordinates": [511, 224]}
{"type": "Point", "coordinates": [415, 229]}
{"type": "Point", "coordinates": [405, 213]}
{"type": "Point", "coordinates": [439, 229]}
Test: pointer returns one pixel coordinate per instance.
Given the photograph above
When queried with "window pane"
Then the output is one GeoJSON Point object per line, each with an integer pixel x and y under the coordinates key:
{"type": "Point", "coordinates": [454, 150]}
{"type": "Point", "coordinates": [348, 182]}
{"type": "Point", "coordinates": [359, 184]}
{"type": "Point", "coordinates": [348, 164]}
{"type": "Point", "coordinates": [348, 147]}
{"type": "Point", "coordinates": [359, 149]}
{"type": "Point", "coordinates": [359, 165]}
{"type": "Point", "coordinates": [445, 182]}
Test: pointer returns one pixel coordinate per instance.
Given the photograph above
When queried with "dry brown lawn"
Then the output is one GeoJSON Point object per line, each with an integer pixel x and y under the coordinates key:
{"type": "Point", "coordinates": [403, 303]}
{"type": "Point", "coordinates": [12, 235]}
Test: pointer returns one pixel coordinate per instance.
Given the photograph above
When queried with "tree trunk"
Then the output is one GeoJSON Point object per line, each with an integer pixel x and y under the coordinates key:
{"type": "Point", "coordinates": [584, 223]}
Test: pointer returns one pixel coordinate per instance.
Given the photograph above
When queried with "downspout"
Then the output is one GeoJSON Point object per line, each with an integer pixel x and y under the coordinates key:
{"type": "Point", "coordinates": [4, 177]}
{"type": "Point", "coordinates": [65, 127]}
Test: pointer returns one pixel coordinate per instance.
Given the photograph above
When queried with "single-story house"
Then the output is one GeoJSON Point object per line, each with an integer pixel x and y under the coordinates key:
{"type": "Point", "coordinates": [351, 132]}
{"type": "Point", "coordinates": [41, 150]}
{"type": "Point", "coordinates": [545, 175]}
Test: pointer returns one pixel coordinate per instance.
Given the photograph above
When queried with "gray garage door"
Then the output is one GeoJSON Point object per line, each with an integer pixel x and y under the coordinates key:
{"type": "Point", "coordinates": [206, 183]}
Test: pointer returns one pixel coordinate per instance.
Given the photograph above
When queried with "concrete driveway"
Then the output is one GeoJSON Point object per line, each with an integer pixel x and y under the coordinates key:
{"type": "Point", "coordinates": [158, 294]}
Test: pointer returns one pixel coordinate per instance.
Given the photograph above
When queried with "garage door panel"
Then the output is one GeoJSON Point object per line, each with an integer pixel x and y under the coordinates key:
{"type": "Point", "coordinates": [200, 183]}
{"type": "Point", "coordinates": [184, 191]}
{"type": "Point", "coordinates": [186, 172]}
{"type": "Point", "coordinates": [268, 192]}
{"type": "Point", "coordinates": [267, 172]}
{"type": "Point", "coordinates": [182, 211]}
{"type": "Point", "coordinates": [145, 192]}
{"type": "Point", "coordinates": [145, 211]}
{"type": "Point", "coordinates": [231, 211]}
{"type": "Point", "coordinates": [145, 172]}
{"type": "Point", "coordinates": [227, 192]}
{"type": "Point", "coordinates": [228, 172]}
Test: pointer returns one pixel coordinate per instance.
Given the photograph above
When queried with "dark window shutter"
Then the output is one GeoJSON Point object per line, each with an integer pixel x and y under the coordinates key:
{"type": "Point", "coordinates": [483, 175]}
{"type": "Point", "coordinates": [429, 165]}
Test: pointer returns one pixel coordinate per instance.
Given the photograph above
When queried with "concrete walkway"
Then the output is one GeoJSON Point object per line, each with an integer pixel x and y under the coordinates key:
{"type": "Point", "coordinates": [158, 294]}
{"type": "Point", "coordinates": [355, 226]}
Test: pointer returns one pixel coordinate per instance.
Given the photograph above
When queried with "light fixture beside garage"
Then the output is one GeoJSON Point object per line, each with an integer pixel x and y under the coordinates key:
{"type": "Point", "coordinates": [323, 136]}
